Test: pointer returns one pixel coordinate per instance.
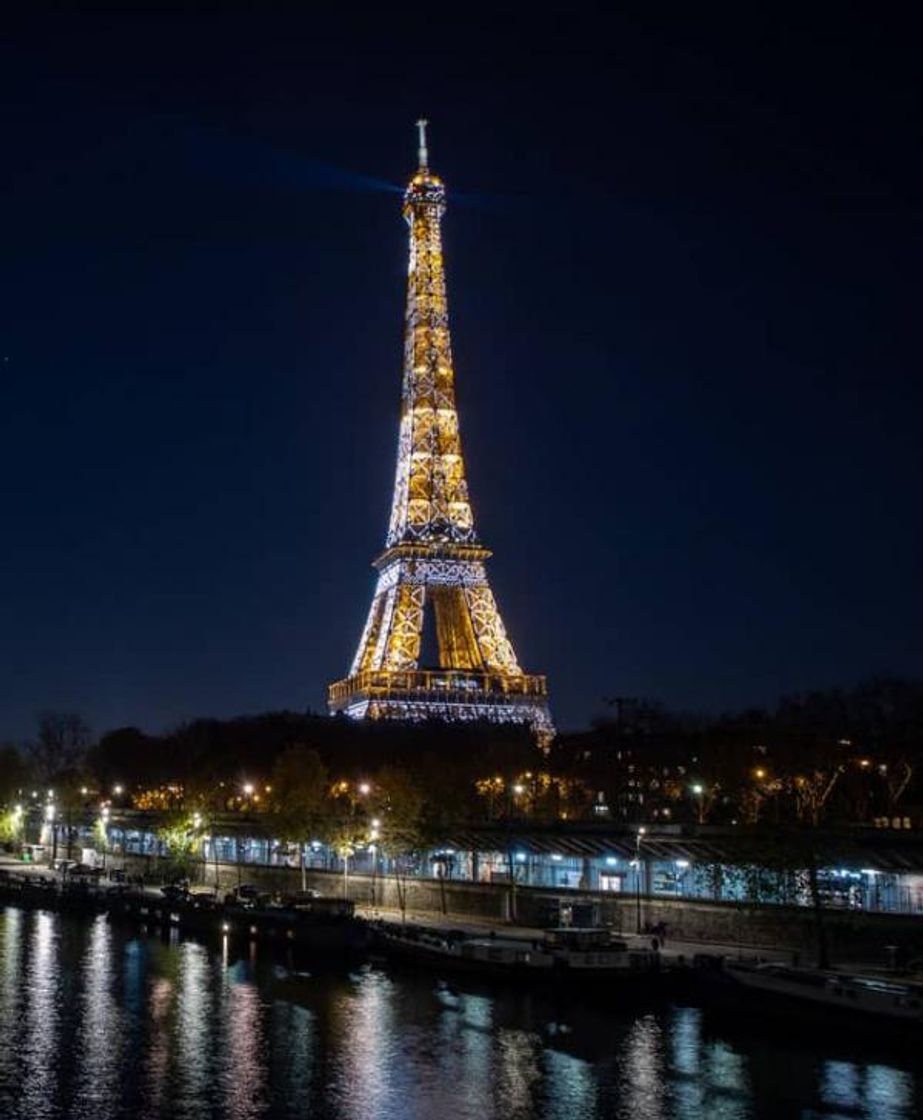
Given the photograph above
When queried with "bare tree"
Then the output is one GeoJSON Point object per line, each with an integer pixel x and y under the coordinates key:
{"type": "Point", "coordinates": [59, 746]}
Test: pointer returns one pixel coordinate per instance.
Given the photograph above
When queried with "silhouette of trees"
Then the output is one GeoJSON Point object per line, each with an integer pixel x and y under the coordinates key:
{"type": "Point", "coordinates": [60, 746]}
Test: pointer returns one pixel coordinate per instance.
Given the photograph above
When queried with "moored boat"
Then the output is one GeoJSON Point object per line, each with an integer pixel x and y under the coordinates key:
{"type": "Point", "coordinates": [565, 953]}
{"type": "Point", "coordinates": [848, 997]}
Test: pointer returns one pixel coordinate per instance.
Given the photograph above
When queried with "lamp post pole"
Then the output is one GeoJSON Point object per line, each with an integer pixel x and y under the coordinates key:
{"type": "Point", "coordinates": [105, 819]}
{"type": "Point", "coordinates": [699, 790]}
{"type": "Point", "coordinates": [49, 817]}
{"type": "Point", "coordinates": [641, 831]}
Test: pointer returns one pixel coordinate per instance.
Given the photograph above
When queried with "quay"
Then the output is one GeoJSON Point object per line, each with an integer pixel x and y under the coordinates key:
{"type": "Point", "coordinates": [327, 923]}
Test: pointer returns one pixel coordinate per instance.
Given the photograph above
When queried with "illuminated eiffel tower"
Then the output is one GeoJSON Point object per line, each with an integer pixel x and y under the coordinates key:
{"type": "Point", "coordinates": [433, 560]}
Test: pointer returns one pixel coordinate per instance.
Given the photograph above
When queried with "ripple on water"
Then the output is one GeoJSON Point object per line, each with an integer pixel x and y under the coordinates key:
{"type": "Point", "coordinates": [99, 1025]}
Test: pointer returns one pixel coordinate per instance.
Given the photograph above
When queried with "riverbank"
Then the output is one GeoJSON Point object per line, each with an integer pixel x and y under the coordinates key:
{"type": "Point", "coordinates": [857, 941]}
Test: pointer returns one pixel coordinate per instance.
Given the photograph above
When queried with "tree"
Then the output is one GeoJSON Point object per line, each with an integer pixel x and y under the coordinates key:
{"type": "Point", "coordinates": [300, 798]}
{"type": "Point", "coordinates": [59, 746]}
{"type": "Point", "coordinates": [179, 836]}
{"type": "Point", "coordinates": [397, 803]}
{"type": "Point", "coordinates": [13, 774]}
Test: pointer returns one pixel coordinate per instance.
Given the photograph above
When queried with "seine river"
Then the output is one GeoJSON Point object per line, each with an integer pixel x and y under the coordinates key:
{"type": "Point", "coordinates": [98, 1023]}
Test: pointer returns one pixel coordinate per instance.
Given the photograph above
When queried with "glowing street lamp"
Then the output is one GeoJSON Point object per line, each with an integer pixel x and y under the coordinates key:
{"type": "Point", "coordinates": [104, 822]}
{"type": "Point", "coordinates": [637, 866]}
{"type": "Point", "coordinates": [49, 818]}
{"type": "Point", "coordinates": [699, 791]}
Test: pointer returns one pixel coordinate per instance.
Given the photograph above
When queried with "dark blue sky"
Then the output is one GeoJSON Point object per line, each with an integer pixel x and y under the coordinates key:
{"type": "Point", "coordinates": [684, 276]}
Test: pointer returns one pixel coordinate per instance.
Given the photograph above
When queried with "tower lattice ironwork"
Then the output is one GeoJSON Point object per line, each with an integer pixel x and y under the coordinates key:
{"type": "Point", "coordinates": [433, 559]}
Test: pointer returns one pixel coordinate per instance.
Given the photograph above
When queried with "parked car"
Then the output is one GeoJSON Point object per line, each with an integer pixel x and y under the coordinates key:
{"type": "Point", "coordinates": [300, 898]}
{"type": "Point", "coordinates": [175, 892]}
{"type": "Point", "coordinates": [84, 871]}
{"type": "Point", "coordinates": [245, 895]}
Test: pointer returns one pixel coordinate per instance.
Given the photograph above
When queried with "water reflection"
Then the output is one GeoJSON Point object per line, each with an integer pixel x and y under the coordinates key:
{"type": "Point", "coordinates": [243, 1051]}
{"type": "Point", "coordinates": [10, 988]}
{"type": "Point", "coordinates": [99, 1037]}
{"type": "Point", "coordinates": [193, 1031]}
{"type": "Point", "coordinates": [156, 1061]}
{"type": "Point", "coordinates": [40, 1025]}
{"type": "Point", "coordinates": [98, 1023]}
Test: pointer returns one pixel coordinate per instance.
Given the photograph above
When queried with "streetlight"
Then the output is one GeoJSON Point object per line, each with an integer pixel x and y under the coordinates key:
{"type": "Point", "coordinates": [104, 823]}
{"type": "Point", "coordinates": [49, 817]}
{"type": "Point", "coordinates": [637, 865]}
{"type": "Point", "coordinates": [699, 791]}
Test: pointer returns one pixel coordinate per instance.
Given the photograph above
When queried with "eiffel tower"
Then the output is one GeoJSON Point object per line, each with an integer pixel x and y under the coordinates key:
{"type": "Point", "coordinates": [433, 561]}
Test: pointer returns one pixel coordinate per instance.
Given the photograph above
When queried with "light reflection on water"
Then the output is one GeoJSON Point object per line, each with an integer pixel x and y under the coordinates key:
{"type": "Point", "coordinates": [98, 1025]}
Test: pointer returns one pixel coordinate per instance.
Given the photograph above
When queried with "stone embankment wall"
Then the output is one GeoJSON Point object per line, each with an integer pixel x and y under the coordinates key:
{"type": "Point", "coordinates": [852, 935]}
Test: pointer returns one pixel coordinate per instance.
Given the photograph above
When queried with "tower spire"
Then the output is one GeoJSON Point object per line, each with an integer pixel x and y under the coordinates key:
{"type": "Point", "coordinates": [434, 563]}
{"type": "Point", "coordinates": [422, 153]}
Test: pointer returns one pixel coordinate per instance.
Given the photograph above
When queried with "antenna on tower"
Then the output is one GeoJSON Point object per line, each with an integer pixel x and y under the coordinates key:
{"type": "Point", "coordinates": [422, 152]}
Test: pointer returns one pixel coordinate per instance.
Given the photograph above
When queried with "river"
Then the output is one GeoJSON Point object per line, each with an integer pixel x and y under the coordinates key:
{"type": "Point", "coordinates": [99, 1023]}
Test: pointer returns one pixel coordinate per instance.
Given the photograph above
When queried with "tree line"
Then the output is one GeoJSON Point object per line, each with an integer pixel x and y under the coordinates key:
{"type": "Point", "coordinates": [846, 755]}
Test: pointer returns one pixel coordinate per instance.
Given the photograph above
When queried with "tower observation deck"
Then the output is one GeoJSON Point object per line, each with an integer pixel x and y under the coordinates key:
{"type": "Point", "coordinates": [433, 559]}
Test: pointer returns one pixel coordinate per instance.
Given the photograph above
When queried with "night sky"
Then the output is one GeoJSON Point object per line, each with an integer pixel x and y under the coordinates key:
{"type": "Point", "coordinates": [683, 257]}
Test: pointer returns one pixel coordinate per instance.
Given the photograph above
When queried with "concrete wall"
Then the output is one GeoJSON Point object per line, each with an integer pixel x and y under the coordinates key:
{"type": "Point", "coordinates": [853, 935]}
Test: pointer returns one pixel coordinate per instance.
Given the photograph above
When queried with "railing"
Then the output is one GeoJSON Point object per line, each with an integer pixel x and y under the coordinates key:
{"type": "Point", "coordinates": [464, 684]}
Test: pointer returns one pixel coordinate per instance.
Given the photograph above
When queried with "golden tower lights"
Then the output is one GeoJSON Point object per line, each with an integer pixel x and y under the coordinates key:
{"type": "Point", "coordinates": [433, 560]}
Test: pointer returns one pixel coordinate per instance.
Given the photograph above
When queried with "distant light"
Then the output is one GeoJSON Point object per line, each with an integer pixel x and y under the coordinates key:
{"type": "Point", "coordinates": [556, 855]}
{"type": "Point", "coordinates": [248, 788]}
{"type": "Point", "coordinates": [117, 790]}
{"type": "Point", "coordinates": [521, 857]}
{"type": "Point", "coordinates": [519, 789]}
{"type": "Point", "coordinates": [376, 823]}
{"type": "Point", "coordinates": [682, 863]}
{"type": "Point", "coordinates": [84, 790]}
{"type": "Point", "coordinates": [225, 927]}
{"type": "Point", "coordinates": [869, 871]}
{"type": "Point", "coordinates": [698, 789]}
{"type": "Point", "coordinates": [364, 788]}
{"type": "Point", "coordinates": [612, 860]}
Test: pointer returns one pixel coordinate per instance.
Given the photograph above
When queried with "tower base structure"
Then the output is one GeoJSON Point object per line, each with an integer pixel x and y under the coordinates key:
{"type": "Point", "coordinates": [449, 694]}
